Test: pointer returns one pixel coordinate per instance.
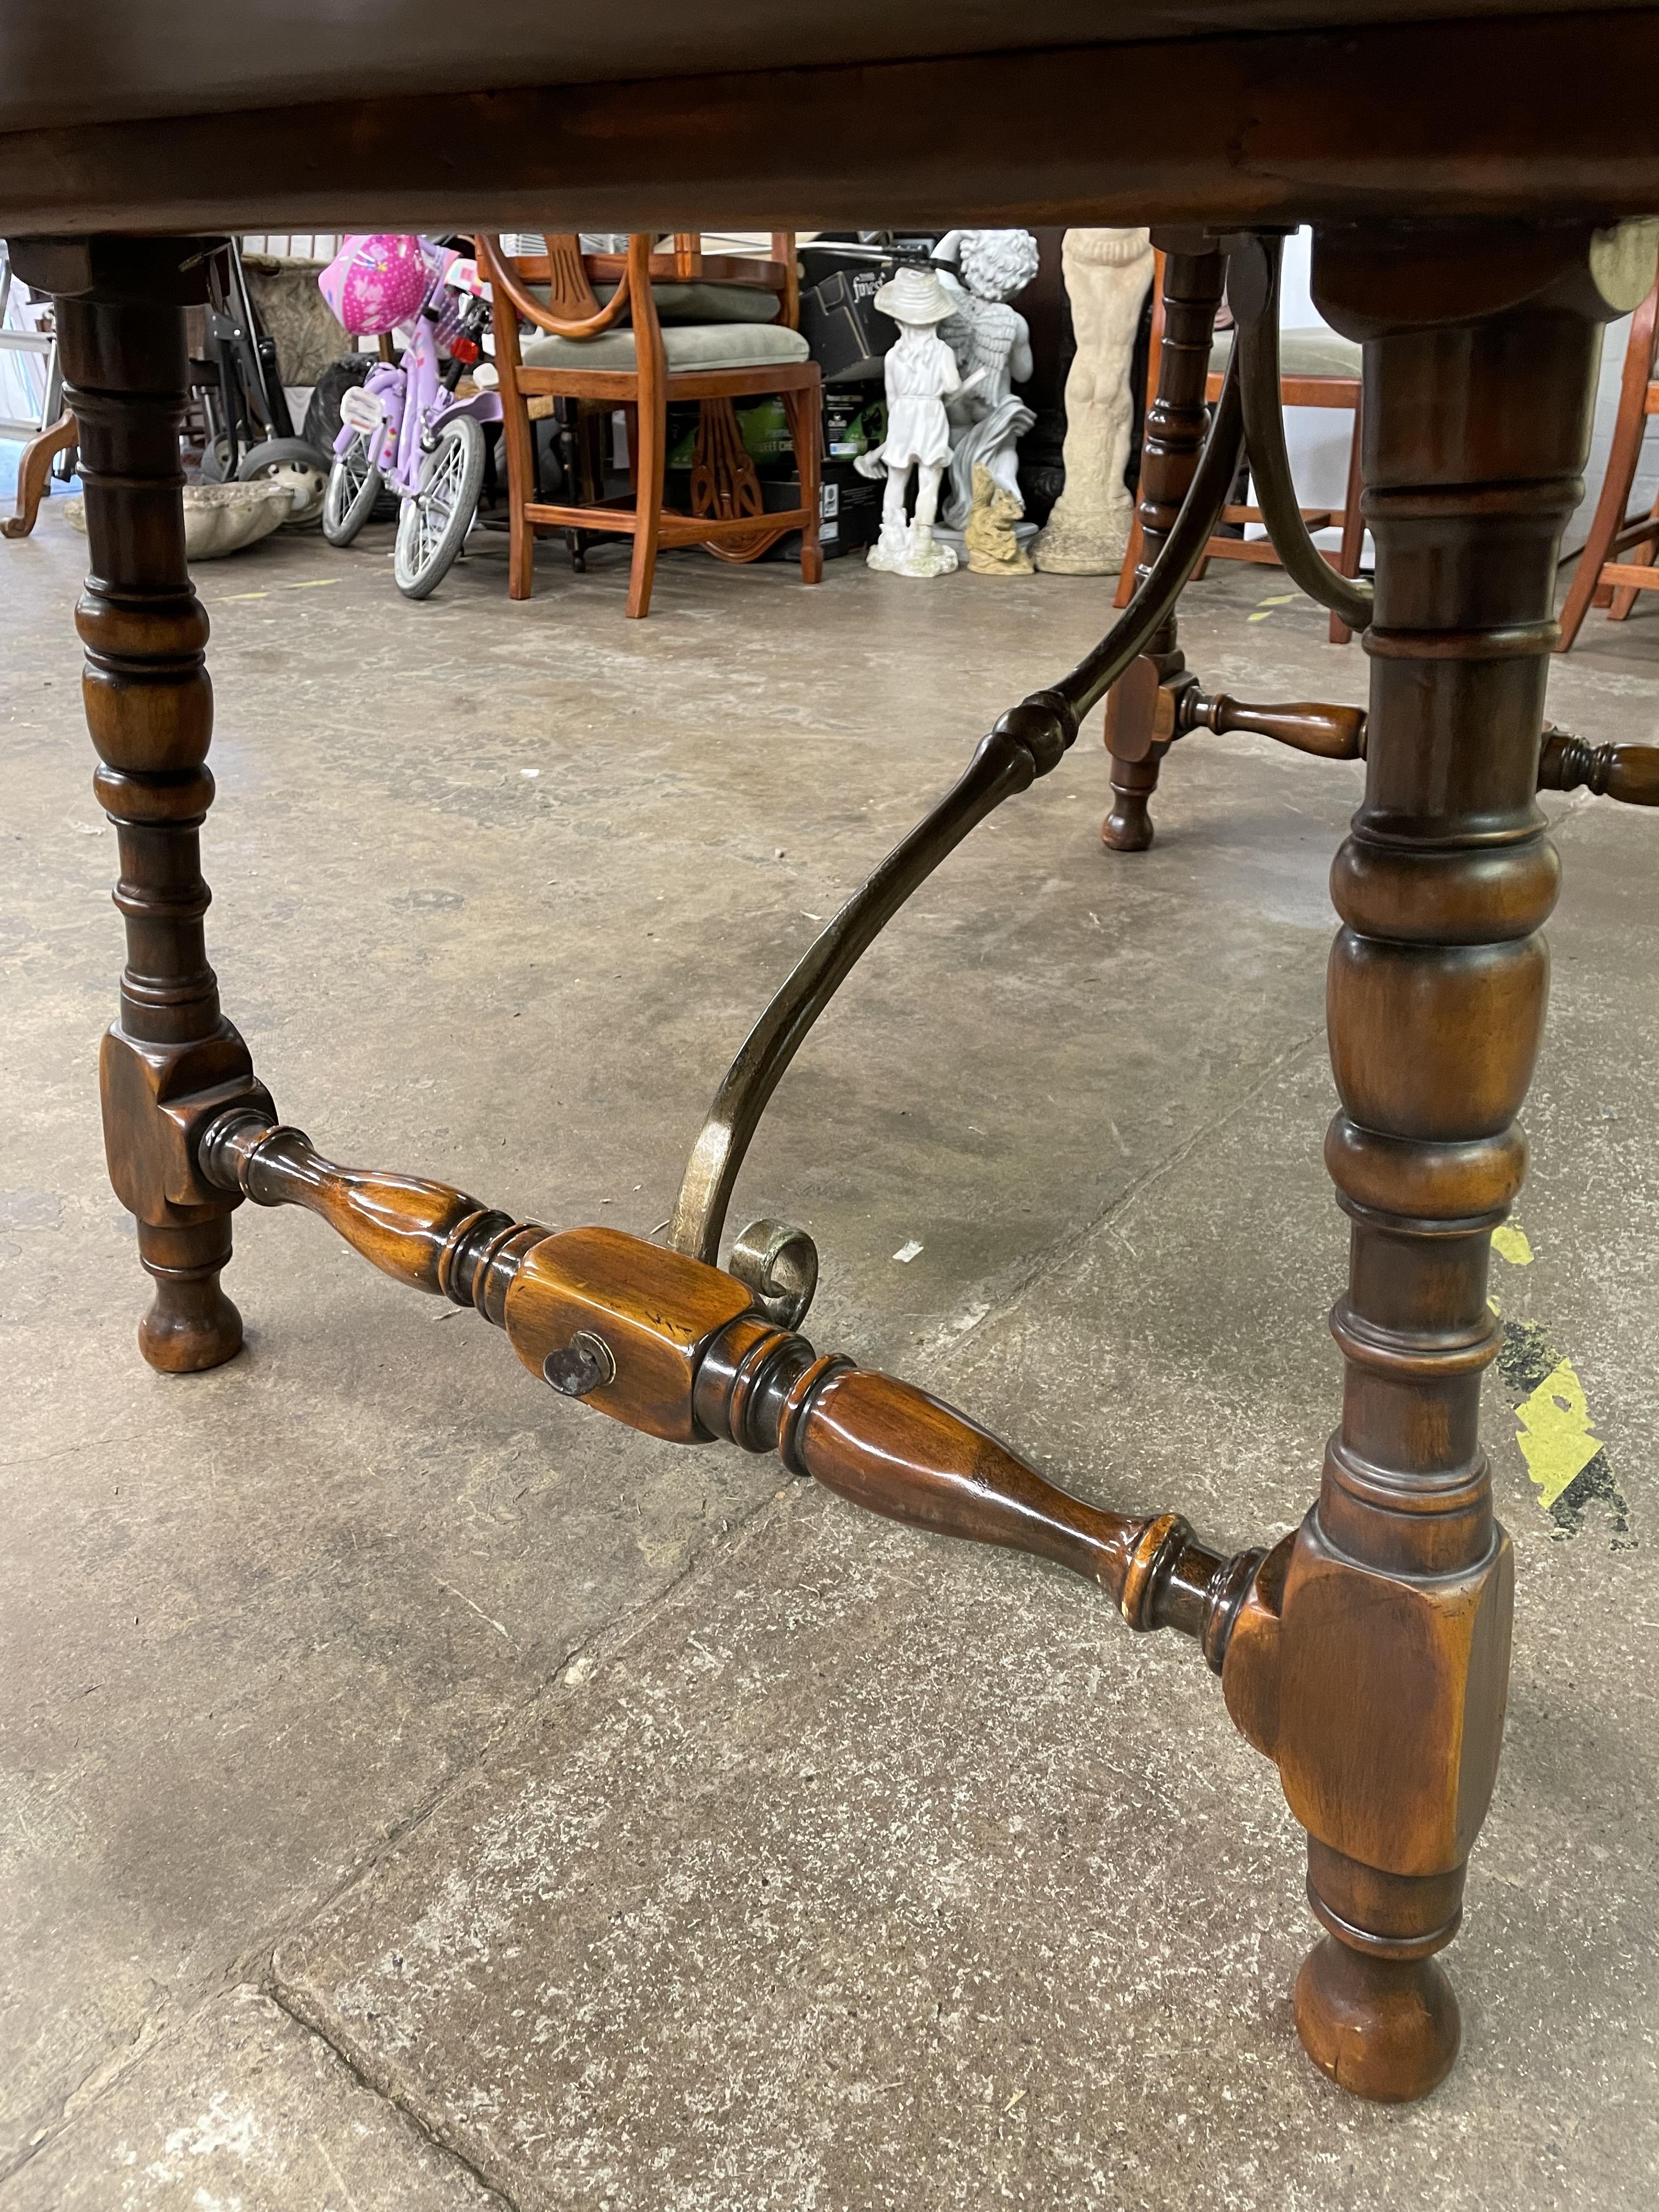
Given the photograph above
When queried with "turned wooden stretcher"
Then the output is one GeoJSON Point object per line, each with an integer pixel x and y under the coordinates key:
{"type": "Point", "coordinates": [1474, 241]}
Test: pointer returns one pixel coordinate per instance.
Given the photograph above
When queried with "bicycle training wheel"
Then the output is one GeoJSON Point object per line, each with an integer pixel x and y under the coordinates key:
{"type": "Point", "coordinates": [298, 467]}
{"type": "Point", "coordinates": [435, 521]}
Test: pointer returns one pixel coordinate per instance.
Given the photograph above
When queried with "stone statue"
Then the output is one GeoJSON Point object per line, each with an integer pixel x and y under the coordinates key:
{"type": "Point", "coordinates": [994, 353]}
{"type": "Point", "coordinates": [922, 370]}
{"type": "Point", "coordinates": [1107, 274]}
{"type": "Point", "coordinates": [992, 548]}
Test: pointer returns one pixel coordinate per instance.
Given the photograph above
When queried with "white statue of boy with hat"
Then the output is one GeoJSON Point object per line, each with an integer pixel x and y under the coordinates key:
{"type": "Point", "coordinates": [922, 368]}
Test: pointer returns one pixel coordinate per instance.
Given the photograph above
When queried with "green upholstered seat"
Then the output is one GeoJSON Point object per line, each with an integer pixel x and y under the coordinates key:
{"type": "Point", "coordinates": [1315, 352]}
{"type": "Point", "coordinates": [685, 346]}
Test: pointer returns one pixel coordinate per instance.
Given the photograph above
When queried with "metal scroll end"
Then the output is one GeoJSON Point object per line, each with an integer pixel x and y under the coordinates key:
{"type": "Point", "coordinates": [779, 1264]}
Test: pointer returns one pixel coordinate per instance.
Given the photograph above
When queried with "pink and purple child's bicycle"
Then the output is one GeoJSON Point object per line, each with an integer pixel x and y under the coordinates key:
{"type": "Point", "coordinates": [404, 428]}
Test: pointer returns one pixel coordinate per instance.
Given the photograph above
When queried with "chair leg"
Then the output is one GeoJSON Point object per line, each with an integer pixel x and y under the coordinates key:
{"type": "Point", "coordinates": [1353, 529]}
{"type": "Point", "coordinates": [521, 558]}
{"type": "Point", "coordinates": [520, 490]}
{"type": "Point", "coordinates": [648, 437]}
{"type": "Point", "coordinates": [805, 412]}
{"type": "Point", "coordinates": [1623, 456]}
{"type": "Point", "coordinates": [34, 467]}
{"type": "Point", "coordinates": [1126, 575]}
{"type": "Point", "coordinates": [1622, 598]}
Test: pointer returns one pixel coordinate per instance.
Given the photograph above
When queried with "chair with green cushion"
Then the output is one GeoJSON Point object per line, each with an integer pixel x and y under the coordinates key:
{"type": "Point", "coordinates": [639, 332]}
{"type": "Point", "coordinates": [1318, 368]}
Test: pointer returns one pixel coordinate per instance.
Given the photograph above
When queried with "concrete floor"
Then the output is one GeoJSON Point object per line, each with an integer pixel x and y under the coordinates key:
{"type": "Point", "coordinates": [415, 1788]}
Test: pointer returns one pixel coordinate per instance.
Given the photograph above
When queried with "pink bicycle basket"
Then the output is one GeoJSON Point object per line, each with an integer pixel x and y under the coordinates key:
{"type": "Point", "coordinates": [373, 284]}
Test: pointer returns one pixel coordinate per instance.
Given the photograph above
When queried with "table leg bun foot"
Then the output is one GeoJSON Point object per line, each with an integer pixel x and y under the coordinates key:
{"type": "Point", "coordinates": [1387, 2029]}
{"type": "Point", "coordinates": [1128, 827]}
{"type": "Point", "coordinates": [191, 1324]}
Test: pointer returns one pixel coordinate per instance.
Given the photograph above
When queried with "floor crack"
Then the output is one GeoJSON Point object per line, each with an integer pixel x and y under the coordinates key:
{"type": "Point", "coordinates": [424, 2124]}
{"type": "Point", "coordinates": [1043, 1265]}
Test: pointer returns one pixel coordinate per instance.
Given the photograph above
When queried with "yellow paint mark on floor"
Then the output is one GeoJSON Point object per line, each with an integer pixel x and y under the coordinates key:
{"type": "Point", "coordinates": [1285, 600]}
{"type": "Point", "coordinates": [1554, 1436]}
{"type": "Point", "coordinates": [1258, 618]}
{"type": "Point", "coordinates": [230, 597]}
{"type": "Point", "coordinates": [313, 584]}
{"type": "Point", "coordinates": [1511, 1243]}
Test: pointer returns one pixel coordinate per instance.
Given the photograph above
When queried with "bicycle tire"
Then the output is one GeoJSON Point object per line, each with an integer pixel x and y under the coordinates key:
{"type": "Point", "coordinates": [354, 485]}
{"type": "Point", "coordinates": [451, 482]}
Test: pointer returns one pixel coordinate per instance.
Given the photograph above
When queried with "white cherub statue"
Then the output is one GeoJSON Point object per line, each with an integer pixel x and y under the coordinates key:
{"type": "Point", "coordinates": [992, 346]}
{"type": "Point", "coordinates": [921, 370]}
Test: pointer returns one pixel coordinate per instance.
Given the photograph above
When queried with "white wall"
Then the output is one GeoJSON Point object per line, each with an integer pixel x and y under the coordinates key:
{"type": "Point", "coordinates": [298, 245]}
{"type": "Point", "coordinates": [22, 375]}
{"type": "Point", "coordinates": [1318, 438]}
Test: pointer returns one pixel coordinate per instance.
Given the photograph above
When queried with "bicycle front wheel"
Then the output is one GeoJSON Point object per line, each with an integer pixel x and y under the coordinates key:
{"type": "Point", "coordinates": [353, 482]}
{"type": "Point", "coordinates": [435, 520]}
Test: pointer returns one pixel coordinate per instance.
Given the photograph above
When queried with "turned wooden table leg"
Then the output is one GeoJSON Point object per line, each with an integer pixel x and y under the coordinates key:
{"type": "Point", "coordinates": [149, 708]}
{"type": "Point", "coordinates": [1176, 428]}
{"type": "Point", "coordinates": [1396, 1610]}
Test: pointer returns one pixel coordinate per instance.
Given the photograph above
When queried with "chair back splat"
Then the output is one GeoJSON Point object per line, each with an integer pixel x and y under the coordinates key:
{"type": "Point", "coordinates": [638, 332]}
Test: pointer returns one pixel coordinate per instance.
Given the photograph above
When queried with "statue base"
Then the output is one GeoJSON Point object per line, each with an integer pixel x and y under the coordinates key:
{"type": "Point", "coordinates": [912, 550]}
{"type": "Point", "coordinates": [1082, 548]}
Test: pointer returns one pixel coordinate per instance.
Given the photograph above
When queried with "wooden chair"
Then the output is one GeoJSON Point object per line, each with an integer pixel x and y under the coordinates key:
{"type": "Point", "coordinates": [1603, 579]}
{"type": "Point", "coordinates": [587, 351]}
{"type": "Point", "coordinates": [50, 431]}
{"type": "Point", "coordinates": [1317, 369]}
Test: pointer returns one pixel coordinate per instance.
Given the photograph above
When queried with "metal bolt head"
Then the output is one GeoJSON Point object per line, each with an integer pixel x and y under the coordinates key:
{"type": "Point", "coordinates": [586, 1364]}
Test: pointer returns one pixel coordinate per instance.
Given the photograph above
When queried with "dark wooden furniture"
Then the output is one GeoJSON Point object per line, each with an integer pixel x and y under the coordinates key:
{"type": "Point", "coordinates": [1619, 555]}
{"type": "Point", "coordinates": [735, 359]}
{"type": "Point", "coordinates": [1320, 388]}
{"type": "Point", "coordinates": [1472, 246]}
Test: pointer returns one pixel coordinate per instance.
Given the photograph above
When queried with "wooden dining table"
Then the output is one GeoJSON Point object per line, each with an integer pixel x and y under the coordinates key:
{"type": "Point", "coordinates": [1480, 192]}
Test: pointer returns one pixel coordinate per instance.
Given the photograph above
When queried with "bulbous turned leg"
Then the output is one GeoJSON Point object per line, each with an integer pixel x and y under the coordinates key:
{"type": "Point", "coordinates": [1395, 1633]}
{"type": "Point", "coordinates": [1386, 2029]}
{"type": "Point", "coordinates": [1128, 827]}
{"type": "Point", "coordinates": [191, 1324]}
{"type": "Point", "coordinates": [1176, 428]}
{"type": "Point", "coordinates": [120, 310]}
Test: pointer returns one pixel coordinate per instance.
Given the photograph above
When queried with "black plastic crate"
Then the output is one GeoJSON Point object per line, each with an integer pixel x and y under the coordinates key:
{"type": "Point", "coordinates": [849, 511]}
{"type": "Point", "coordinates": [847, 333]}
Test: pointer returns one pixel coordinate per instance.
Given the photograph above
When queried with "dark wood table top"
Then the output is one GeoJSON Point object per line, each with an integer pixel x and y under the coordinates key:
{"type": "Point", "coordinates": [191, 115]}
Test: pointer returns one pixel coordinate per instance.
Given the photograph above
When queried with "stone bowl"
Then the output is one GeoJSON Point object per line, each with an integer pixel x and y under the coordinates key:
{"type": "Point", "coordinates": [219, 518]}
